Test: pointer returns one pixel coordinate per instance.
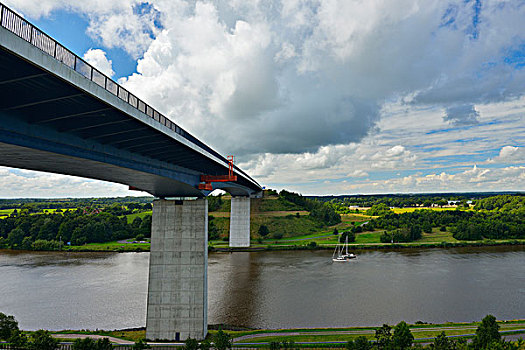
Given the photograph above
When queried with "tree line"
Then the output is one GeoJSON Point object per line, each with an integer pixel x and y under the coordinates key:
{"type": "Point", "coordinates": [53, 231]}
{"type": "Point", "coordinates": [386, 337]}
{"type": "Point", "coordinates": [317, 209]}
{"type": "Point", "coordinates": [504, 220]}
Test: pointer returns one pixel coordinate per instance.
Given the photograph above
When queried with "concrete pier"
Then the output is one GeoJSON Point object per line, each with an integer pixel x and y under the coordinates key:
{"type": "Point", "coordinates": [240, 222]}
{"type": "Point", "coordinates": [177, 289]}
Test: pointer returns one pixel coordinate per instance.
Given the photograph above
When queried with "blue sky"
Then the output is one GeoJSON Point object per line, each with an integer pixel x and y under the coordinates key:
{"type": "Point", "coordinates": [69, 28]}
{"type": "Point", "coordinates": [328, 97]}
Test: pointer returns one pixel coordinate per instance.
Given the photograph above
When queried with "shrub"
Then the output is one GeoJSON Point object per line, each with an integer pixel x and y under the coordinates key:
{"type": "Point", "coordinates": [8, 324]}
{"type": "Point", "coordinates": [42, 340]}
{"type": "Point", "coordinates": [277, 235]}
{"type": "Point", "coordinates": [263, 231]}
{"type": "Point", "coordinates": [222, 340]}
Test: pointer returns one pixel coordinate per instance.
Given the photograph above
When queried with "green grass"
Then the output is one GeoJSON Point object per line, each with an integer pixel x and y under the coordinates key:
{"type": "Point", "coordinates": [131, 217]}
{"type": "Point", "coordinates": [4, 213]}
{"type": "Point", "coordinates": [438, 236]}
{"type": "Point", "coordinates": [368, 237]}
{"type": "Point", "coordinates": [111, 246]}
{"type": "Point", "coordinates": [345, 334]}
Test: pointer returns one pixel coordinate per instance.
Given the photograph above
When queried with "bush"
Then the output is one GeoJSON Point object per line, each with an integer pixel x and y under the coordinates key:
{"type": "Point", "coordinates": [263, 231]}
{"type": "Point", "coordinates": [42, 340]}
{"type": "Point", "coordinates": [8, 325]}
{"type": "Point", "coordinates": [222, 340]}
{"type": "Point", "coordinates": [312, 245]}
{"type": "Point", "coordinates": [191, 344]}
{"type": "Point", "coordinates": [141, 345]}
{"type": "Point", "coordinates": [277, 235]}
{"type": "Point", "coordinates": [487, 333]}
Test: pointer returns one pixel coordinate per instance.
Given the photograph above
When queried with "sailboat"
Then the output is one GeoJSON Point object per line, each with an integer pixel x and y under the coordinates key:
{"type": "Point", "coordinates": [341, 252]}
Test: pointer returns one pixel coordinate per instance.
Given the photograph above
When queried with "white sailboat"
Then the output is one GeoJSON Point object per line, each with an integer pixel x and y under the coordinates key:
{"type": "Point", "coordinates": [341, 252]}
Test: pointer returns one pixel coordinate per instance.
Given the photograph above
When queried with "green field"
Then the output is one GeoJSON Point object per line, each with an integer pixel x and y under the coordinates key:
{"type": "Point", "coordinates": [131, 217]}
{"type": "Point", "coordinates": [111, 247]}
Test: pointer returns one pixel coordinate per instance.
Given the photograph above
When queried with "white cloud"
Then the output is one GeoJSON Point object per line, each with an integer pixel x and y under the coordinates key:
{"type": "Point", "coordinates": [97, 58]}
{"type": "Point", "coordinates": [303, 91]}
{"type": "Point", "coordinates": [130, 24]}
{"type": "Point", "coordinates": [34, 184]}
{"type": "Point", "coordinates": [510, 154]}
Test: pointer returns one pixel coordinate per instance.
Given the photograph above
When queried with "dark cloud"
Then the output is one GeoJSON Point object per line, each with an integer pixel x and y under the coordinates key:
{"type": "Point", "coordinates": [461, 115]}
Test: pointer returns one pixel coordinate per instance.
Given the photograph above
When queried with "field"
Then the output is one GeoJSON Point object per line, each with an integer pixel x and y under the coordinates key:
{"type": "Point", "coordinates": [410, 210]}
{"type": "Point", "coordinates": [6, 212]}
{"type": "Point", "coordinates": [141, 215]}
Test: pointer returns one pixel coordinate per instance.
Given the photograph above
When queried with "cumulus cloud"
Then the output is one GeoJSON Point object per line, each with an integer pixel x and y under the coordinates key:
{"type": "Point", "coordinates": [34, 184]}
{"type": "Point", "coordinates": [129, 24]}
{"type": "Point", "coordinates": [305, 90]}
{"type": "Point", "coordinates": [97, 58]}
{"type": "Point", "coordinates": [510, 154]}
{"type": "Point", "coordinates": [475, 179]}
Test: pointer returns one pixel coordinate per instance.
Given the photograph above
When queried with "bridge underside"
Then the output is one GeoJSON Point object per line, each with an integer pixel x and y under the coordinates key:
{"type": "Point", "coordinates": [55, 119]}
{"type": "Point", "coordinates": [52, 124]}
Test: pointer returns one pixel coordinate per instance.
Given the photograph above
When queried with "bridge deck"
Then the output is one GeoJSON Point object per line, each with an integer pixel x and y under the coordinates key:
{"type": "Point", "coordinates": [72, 112]}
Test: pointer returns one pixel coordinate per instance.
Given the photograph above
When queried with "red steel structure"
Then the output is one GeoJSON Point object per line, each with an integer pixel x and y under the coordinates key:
{"type": "Point", "coordinates": [206, 180]}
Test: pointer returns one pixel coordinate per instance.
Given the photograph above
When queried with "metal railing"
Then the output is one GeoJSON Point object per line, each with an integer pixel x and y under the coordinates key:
{"type": "Point", "coordinates": [25, 30]}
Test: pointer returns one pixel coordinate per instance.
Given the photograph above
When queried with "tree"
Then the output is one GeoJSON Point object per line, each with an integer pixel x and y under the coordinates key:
{"type": "Point", "coordinates": [42, 340]}
{"type": "Point", "coordinates": [263, 231]}
{"type": "Point", "coordinates": [336, 232]}
{"type": "Point", "coordinates": [205, 345]}
{"type": "Point", "coordinates": [441, 342]}
{"type": "Point", "coordinates": [8, 325]}
{"type": "Point", "coordinates": [18, 339]}
{"type": "Point", "coordinates": [141, 345]}
{"type": "Point", "coordinates": [103, 344]}
{"type": "Point", "coordinates": [15, 237]}
{"type": "Point", "coordinates": [384, 337]}
{"type": "Point", "coordinates": [487, 332]}
{"type": "Point", "coordinates": [84, 344]}
{"type": "Point", "coordinates": [222, 340]}
{"type": "Point", "coordinates": [191, 344]}
{"type": "Point", "coordinates": [360, 343]}
{"type": "Point", "coordinates": [402, 338]}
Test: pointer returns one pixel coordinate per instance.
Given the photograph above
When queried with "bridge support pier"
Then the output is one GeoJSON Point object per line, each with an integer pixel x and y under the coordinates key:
{"type": "Point", "coordinates": [178, 289]}
{"type": "Point", "coordinates": [240, 222]}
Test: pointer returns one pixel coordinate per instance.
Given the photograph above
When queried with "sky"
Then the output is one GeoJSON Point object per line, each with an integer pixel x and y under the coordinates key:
{"type": "Point", "coordinates": [318, 97]}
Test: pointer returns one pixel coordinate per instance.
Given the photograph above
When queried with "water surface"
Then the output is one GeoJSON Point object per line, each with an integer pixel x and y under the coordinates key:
{"type": "Point", "coordinates": [271, 289]}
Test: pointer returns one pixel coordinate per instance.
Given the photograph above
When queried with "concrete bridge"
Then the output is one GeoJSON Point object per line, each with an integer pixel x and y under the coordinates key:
{"type": "Point", "coordinates": [59, 114]}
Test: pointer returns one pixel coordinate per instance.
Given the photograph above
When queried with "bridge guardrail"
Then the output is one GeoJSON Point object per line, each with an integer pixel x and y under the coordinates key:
{"type": "Point", "coordinates": [17, 25]}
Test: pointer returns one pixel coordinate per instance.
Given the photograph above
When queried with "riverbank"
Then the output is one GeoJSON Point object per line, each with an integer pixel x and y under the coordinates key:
{"type": "Point", "coordinates": [306, 337]}
{"type": "Point", "coordinates": [220, 246]}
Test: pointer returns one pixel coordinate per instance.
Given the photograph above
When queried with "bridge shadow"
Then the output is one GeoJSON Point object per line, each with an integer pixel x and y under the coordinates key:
{"type": "Point", "coordinates": [233, 289]}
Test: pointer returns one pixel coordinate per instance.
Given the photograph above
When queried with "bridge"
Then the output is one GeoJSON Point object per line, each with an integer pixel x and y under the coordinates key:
{"type": "Point", "coordinates": [59, 114]}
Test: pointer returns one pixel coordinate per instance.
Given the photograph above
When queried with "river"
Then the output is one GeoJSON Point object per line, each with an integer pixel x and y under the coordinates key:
{"type": "Point", "coordinates": [56, 290]}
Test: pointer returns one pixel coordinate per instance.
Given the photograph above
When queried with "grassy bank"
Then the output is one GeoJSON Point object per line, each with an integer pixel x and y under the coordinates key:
{"type": "Point", "coordinates": [261, 337]}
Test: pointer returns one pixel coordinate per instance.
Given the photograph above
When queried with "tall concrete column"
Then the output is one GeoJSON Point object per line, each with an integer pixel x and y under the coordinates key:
{"type": "Point", "coordinates": [240, 222]}
{"type": "Point", "coordinates": [178, 289]}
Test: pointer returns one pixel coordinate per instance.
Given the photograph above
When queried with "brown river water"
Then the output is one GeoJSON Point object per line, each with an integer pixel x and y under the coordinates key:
{"type": "Point", "coordinates": [55, 290]}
